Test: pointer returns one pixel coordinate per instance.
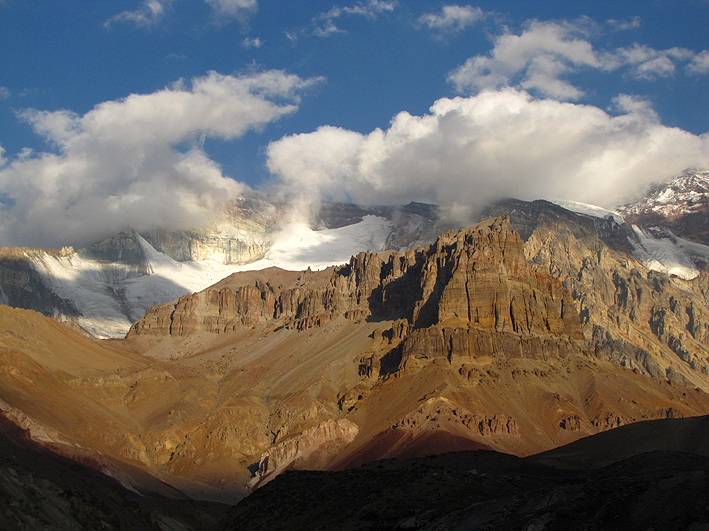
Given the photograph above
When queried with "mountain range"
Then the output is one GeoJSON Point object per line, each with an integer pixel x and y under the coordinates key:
{"type": "Point", "coordinates": [544, 323]}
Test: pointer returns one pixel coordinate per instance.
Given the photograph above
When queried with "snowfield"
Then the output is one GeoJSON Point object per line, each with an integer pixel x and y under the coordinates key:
{"type": "Point", "coordinates": [298, 247]}
{"type": "Point", "coordinates": [589, 210]}
{"type": "Point", "coordinates": [671, 254]}
{"type": "Point", "coordinates": [111, 297]}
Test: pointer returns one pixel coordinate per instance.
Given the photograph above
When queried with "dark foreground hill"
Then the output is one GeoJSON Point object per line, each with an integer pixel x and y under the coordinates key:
{"type": "Point", "coordinates": [486, 490]}
{"type": "Point", "coordinates": [649, 475]}
{"type": "Point", "coordinates": [41, 490]}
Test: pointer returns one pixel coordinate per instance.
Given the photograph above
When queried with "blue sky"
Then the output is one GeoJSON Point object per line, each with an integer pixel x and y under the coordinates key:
{"type": "Point", "coordinates": [141, 113]}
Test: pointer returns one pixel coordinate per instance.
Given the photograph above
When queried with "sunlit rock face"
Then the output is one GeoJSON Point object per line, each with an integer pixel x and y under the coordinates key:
{"type": "Point", "coordinates": [433, 349]}
{"type": "Point", "coordinates": [642, 319]}
{"type": "Point", "coordinates": [403, 352]}
{"type": "Point", "coordinates": [105, 288]}
{"type": "Point", "coordinates": [479, 275]}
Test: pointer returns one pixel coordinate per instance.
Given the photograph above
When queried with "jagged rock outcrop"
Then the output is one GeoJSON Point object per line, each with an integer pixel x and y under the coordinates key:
{"type": "Point", "coordinates": [479, 340]}
{"type": "Point", "coordinates": [637, 318]}
{"type": "Point", "coordinates": [479, 275]}
{"type": "Point", "coordinates": [310, 449]}
{"type": "Point", "coordinates": [437, 412]}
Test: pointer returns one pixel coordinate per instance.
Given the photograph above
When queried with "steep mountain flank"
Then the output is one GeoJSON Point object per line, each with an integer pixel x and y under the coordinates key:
{"type": "Point", "coordinates": [104, 288]}
{"type": "Point", "coordinates": [479, 275]}
{"type": "Point", "coordinates": [22, 286]}
{"type": "Point", "coordinates": [464, 344]}
{"type": "Point", "coordinates": [464, 334]}
{"type": "Point", "coordinates": [650, 322]}
{"type": "Point", "coordinates": [678, 206]}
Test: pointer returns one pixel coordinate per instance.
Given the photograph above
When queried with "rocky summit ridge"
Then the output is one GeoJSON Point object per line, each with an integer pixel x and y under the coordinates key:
{"type": "Point", "coordinates": [479, 275]}
{"type": "Point", "coordinates": [677, 208]}
{"type": "Point", "coordinates": [479, 340]}
{"type": "Point", "coordinates": [104, 288]}
{"type": "Point", "coordinates": [684, 194]}
{"type": "Point", "coordinates": [532, 329]}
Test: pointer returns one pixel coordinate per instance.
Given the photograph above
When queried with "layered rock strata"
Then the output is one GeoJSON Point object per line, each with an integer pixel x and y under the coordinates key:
{"type": "Point", "coordinates": [479, 275]}
{"type": "Point", "coordinates": [476, 341]}
{"type": "Point", "coordinates": [644, 320]}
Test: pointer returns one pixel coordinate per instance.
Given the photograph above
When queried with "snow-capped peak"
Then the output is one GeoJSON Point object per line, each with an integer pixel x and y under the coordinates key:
{"type": "Point", "coordinates": [589, 210]}
{"type": "Point", "coordinates": [684, 194]}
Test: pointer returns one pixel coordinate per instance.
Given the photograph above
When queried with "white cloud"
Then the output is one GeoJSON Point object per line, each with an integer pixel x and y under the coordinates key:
{"type": "Point", "coordinates": [127, 163]}
{"type": "Point", "coordinates": [325, 24]}
{"type": "Point", "coordinates": [240, 10]}
{"type": "Point", "coordinates": [629, 104]}
{"type": "Point", "coordinates": [623, 25]}
{"type": "Point", "coordinates": [452, 18]}
{"type": "Point", "coordinates": [370, 8]}
{"type": "Point", "coordinates": [4, 93]}
{"type": "Point", "coordinates": [152, 12]}
{"type": "Point", "coordinates": [535, 60]}
{"type": "Point", "coordinates": [233, 7]}
{"type": "Point", "coordinates": [699, 63]}
{"type": "Point", "coordinates": [252, 43]}
{"type": "Point", "coordinates": [499, 143]}
{"type": "Point", "coordinates": [149, 14]}
{"type": "Point", "coordinates": [544, 54]}
{"type": "Point", "coordinates": [647, 63]}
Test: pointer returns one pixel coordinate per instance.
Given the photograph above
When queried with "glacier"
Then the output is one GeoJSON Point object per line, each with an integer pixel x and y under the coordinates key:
{"type": "Point", "coordinates": [111, 296]}
{"type": "Point", "coordinates": [659, 249]}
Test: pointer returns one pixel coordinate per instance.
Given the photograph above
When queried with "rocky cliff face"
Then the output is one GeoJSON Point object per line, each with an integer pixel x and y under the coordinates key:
{"type": "Point", "coordinates": [240, 235]}
{"type": "Point", "coordinates": [489, 338]}
{"type": "Point", "coordinates": [479, 275]}
{"type": "Point", "coordinates": [641, 319]}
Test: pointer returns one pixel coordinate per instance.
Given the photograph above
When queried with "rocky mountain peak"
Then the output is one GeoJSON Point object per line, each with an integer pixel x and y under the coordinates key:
{"type": "Point", "coordinates": [478, 275]}
{"type": "Point", "coordinates": [482, 339]}
{"type": "Point", "coordinates": [684, 194]}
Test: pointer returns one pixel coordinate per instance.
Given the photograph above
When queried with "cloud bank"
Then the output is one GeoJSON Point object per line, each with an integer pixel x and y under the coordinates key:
{"type": "Point", "coordinates": [544, 54]}
{"type": "Point", "coordinates": [137, 162]}
{"type": "Point", "coordinates": [501, 143]}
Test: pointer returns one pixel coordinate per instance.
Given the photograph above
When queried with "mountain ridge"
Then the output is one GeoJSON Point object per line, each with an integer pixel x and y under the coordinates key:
{"type": "Point", "coordinates": [105, 288]}
{"type": "Point", "coordinates": [401, 354]}
{"type": "Point", "coordinates": [397, 353]}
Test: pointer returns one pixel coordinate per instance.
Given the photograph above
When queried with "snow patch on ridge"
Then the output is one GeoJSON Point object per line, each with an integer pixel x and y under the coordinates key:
{"type": "Point", "coordinates": [297, 247]}
{"type": "Point", "coordinates": [111, 296]}
{"type": "Point", "coordinates": [589, 210]}
{"type": "Point", "coordinates": [663, 251]}
{"type": "Point", "coordinates": [669, 254]}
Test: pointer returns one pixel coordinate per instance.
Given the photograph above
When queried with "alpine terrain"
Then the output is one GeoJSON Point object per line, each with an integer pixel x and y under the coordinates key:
{"type": "Point", "coordinates": [544, 368]}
